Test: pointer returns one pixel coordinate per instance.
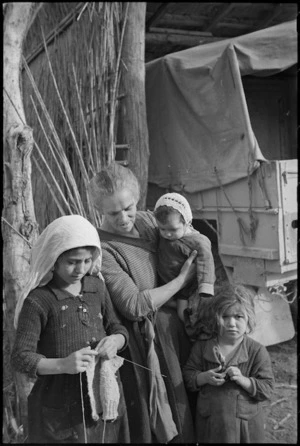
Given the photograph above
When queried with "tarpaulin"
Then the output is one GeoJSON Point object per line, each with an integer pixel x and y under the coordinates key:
{"type": "Point", "coordinates": [198, 122]}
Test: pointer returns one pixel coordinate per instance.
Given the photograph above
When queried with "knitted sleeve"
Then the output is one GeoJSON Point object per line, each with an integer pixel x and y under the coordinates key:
{"type": "Point", "coordinates": [111, 322]}
{"type": "Point", "coordinates": [24, 356]}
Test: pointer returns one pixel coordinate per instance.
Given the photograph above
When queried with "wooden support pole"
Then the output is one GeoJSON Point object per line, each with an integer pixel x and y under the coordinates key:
{"type": "Point", "coordinates": [133, 128]}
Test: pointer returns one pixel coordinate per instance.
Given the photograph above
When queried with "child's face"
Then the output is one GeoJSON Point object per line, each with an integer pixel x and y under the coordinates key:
{"type": "Point", "coordinates": [173, 229]}
{"type": "Point", "coordinates": [235, 323]}
{"type": "Point", "coordinates": [73, 265]}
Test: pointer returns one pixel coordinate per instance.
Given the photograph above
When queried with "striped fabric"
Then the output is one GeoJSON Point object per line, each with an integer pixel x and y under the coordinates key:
{"type": "Point", "coordinates": [129, 270]}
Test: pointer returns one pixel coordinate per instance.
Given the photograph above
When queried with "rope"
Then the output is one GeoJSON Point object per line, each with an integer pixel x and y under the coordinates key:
{"type": "Point", "coordinates": [82, 409]}
{"type": "Point", "coordinates": [242, 225]}
{"type": "Point", "coordinates": [253, 220]}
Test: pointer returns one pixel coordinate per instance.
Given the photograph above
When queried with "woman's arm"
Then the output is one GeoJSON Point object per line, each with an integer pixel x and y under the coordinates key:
{"type": "Point", "coordinates": [128, 279]}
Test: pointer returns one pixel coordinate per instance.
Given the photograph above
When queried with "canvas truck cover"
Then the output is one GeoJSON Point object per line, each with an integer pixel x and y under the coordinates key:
{"type": "Point", "coordinates": [199, 127]}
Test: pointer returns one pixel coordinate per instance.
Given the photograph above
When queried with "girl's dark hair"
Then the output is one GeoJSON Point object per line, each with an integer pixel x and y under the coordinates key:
{"type": "Point", "coordinates": [111, 179]}
{"type": "Point", "coordinates": [90, 248]}
{"type": "Point", "coordinates": [225, 297]}
{"type": "Point", "coordinates": [162, 213]}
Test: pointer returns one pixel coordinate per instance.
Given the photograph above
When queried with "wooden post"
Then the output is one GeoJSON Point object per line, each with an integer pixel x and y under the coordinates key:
{"type": "Point", "coordinates": [19, 228]}
{"type": "Point", "coordinates": [133, 128]}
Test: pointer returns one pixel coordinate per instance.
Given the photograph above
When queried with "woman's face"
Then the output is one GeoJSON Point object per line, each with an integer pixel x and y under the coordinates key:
{"type": "Point", "coordinates": [119, 212]}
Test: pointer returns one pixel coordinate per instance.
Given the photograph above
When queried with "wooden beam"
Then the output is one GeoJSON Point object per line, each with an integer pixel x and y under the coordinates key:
{"type": "Point", "coordinates": [271, 16]}
{"type": "Point", "coordinates": [184, 40]}
{"type": "Point", "coordinates": [179, 31]}
{"type": "Point", "coordinates": [226, 8]}
{"type": "Point", "coordinates": [157, 15]}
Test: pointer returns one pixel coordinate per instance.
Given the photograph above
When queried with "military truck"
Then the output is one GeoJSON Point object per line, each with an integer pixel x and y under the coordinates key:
{"type": "Point", "coordinates": [222, 131]}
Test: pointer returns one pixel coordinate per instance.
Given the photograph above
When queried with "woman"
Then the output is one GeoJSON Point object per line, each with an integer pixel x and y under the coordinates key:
{"type": "Point", "coordinates": [157, 402]}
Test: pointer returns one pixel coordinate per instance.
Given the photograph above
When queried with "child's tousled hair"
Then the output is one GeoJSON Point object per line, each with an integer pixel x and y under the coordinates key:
{"type": "Point", "coordinates": [225, 297]}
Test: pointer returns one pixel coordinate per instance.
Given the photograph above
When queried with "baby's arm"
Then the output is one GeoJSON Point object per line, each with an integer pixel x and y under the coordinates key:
{"type": "Point", "coordinates": [205, 266]}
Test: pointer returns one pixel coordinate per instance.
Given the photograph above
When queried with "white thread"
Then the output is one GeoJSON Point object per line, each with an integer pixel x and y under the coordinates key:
{"type": "Point", "coordinates": [82, 409]}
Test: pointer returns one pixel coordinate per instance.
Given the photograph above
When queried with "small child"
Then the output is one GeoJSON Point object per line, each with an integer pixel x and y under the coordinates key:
{"type": "Point", "coordinates": [67, 332]}
{"type": "Point", "coordinates": [231, 372]}
{"type": "Point", "coordinates": [177, 241]}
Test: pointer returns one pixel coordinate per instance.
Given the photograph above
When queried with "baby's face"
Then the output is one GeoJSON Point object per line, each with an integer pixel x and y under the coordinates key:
{"type": "Point", "coordinates": [173, 229]}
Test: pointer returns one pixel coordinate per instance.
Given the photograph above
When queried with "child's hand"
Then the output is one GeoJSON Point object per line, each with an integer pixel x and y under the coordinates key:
{"type": "Point", "coordinates": [108, 347]}
{"type": "Point", "coordinates": [214, 377]}
{"type": "Point", "coordinates": [78, 361]}
{"type": "Point", "coordinates": [234, 374]}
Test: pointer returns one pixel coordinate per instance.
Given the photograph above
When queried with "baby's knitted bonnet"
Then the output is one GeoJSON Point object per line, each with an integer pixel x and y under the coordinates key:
{"type": "Point", "coordinates": [178, 202]}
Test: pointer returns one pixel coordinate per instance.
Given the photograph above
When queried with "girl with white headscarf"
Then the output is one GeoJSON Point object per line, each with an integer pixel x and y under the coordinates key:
{"type": "Point", "coordinates": [65, 322]}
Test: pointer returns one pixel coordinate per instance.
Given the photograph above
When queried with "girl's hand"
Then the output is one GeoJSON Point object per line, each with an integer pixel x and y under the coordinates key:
{"type": "Point", "coordinates": [108, 347]}
{"type": "Point", "coordinates": [78, 361]}
{"type": "Point", "coordinates": [188, 269]}
{"type": "Point", "coordinates": [234, 374]}
{"type": "Point", "coordinates": [214, 378]}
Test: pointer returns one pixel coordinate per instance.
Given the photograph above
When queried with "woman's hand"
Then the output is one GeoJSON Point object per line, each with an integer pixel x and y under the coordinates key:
{"type": "Point", "coordinates": [78, 361]}
{"type": "Point", "coordinates": [108, 347]}
{"type": "Point", "coordinates": [188, 269]}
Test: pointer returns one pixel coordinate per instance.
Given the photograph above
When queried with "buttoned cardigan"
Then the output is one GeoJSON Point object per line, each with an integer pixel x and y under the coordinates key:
{"type": "Point", "coordinates": [53, 324]}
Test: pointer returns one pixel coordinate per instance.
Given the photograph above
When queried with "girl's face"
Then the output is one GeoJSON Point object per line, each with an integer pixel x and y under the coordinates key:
{"type": "Point", "coordinates": [72, 266]}
{"type": "Point", "coordinates": [235, 323]}
{"type": "Point", "coordinates": [119, 212]}
{"type": "Point", "coordinates": [173, 229]}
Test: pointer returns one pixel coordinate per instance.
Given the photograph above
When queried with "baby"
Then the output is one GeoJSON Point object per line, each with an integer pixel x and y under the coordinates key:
{"type": "Point", "coordinates": [177, 240]}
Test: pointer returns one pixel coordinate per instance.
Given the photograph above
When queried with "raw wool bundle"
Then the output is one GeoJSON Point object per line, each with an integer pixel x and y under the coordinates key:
{"type": "Point", "coordinates": [103, 387]}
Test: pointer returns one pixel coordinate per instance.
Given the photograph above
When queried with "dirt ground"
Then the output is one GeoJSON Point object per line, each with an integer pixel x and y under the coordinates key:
{"type": "Point", "coordinates": [281, 414]}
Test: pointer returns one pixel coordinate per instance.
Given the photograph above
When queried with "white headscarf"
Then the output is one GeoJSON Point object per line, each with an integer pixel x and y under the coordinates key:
{"type": "Point", "coordinates": [178, 202]}
{"type": "Point", "coordinates": [64, 233]}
